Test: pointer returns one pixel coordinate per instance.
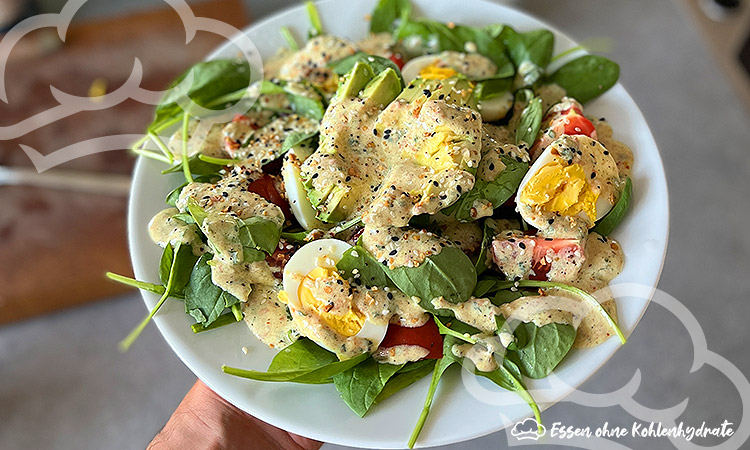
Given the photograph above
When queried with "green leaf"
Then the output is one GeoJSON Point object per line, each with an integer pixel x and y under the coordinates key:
{"type": "Point", "coordinates": [306, 106]}
{"type": "Point", "coordinates": [583, 295]}
{"type": "Point", "coordinates": [301, 362]}
{"type": "Point", "coordinates": [442, 329]}
{"type": "Point", "coordinates": [195, 210]}
{"type": "Point", "coordinates": [487, 47]}
{"type": "Point", "coordinates": [408, 375]}
{"type": "Point", "coordinates": [497, 191]}
{"type": "Point", "coordinates": [361, 385]}
{"type": "Point", "coordinates": [492, 87]}
{"type": "Point", "coordinates": [449, 274]}
{"type": "Point", "coordinates": [440, 368]}
{"type": "Point", "coordinates": [607, 224]}
{"type": "Point", "coordinates": [533, 47]}
{"type": "Point", "coordinates": [481, 265]}
{"type": "Point", "coordinates": [222, 320]}
{"type": "Point", "coordinates": [211, 80]}
{"type": "Point", "coordinates": [377, 63]}
{"type": "Point", "coordinates": [183, 262]}
{"type": "Point", "coordinates": [296, 138]}
{"type": "Point", "coordinates": [371, 272]}
{"type": "Point", "coordinates": [587, 77]}
{"type": "Point", "coordinates": [150, 287]}
{"type": "Point", "coordinates": [205, 301]}
{"type": "Point", "coordinates": [257, 233]}
{"type": "Point", "coordinates": [544, 347]}
{"type": "Point", "coordinates": [312, 13]}
{"type": "Point", "coordinates": [529, 123]}
{"type": "Point", "coordinates": [386, 12]}
{"type": "Point", "coordinates": [198, 167]}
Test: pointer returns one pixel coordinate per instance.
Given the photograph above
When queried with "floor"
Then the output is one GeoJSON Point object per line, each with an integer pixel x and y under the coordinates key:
{"type": "Point", "coordinates": [65, 386]}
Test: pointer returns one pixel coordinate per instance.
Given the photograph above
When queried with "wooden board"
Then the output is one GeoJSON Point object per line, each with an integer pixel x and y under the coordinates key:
{"type": "Point", "coordinates": [56, 246]}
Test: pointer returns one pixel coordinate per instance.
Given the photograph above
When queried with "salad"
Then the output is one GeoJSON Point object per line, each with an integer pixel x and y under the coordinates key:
{"type": "Point", "coordinates": [432, 195]}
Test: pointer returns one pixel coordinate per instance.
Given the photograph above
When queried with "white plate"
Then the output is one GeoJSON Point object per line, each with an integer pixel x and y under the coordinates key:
{"type": "Point", "coordinates": [317, 411]}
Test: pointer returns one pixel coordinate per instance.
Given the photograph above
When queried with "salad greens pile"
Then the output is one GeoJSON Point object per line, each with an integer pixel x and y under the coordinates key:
{"type": "Point", "coordinates": [523, 60]}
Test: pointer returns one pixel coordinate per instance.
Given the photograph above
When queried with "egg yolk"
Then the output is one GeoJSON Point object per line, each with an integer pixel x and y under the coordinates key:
{"type": "Point", "coordinates": [433, 72]}
{"type": "Point", "coordinates": [323, 292]}
{"type": "Point", "coordinates": [560, 189]}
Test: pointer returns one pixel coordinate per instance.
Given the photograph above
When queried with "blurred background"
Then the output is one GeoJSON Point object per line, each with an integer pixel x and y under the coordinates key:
{"type": "Point", "coordinates": [64, 385]}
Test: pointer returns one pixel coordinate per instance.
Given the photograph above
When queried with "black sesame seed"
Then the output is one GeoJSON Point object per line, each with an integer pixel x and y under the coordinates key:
{"type": "Point", "coordinates": [393, 252]}
{"type": "Point", "coordinates": [390, 296]}
{"type": "Point", "coordinates": [522, 245]}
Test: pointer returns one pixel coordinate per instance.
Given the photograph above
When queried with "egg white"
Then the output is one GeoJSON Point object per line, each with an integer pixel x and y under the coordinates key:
{"type": "Point", "coordinates": [300, 205]}
{"type": "Point", "coordinates": [322, 253]}
{"type": "Point", "coordinates": [603, 206]}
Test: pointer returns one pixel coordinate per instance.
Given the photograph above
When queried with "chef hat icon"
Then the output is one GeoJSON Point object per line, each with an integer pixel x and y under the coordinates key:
{"type": "Point", "coordinates": [528, 428]}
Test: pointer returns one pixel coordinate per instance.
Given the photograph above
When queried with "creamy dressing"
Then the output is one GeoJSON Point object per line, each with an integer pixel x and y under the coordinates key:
{"type": "Point", "coordinates": [481, 354]}
{"type": "Point", "coordinates": [400, 354]}
{"type": "Point", "coordinates": [620, 152]}
{"type": "Point", "coordinates": [604, 261]}
{"type": "Point", "coordinates": [465, 235]}
{"type": "Point", "coordinates": [311, 62]}
{"type": "Point", "coordinates": [265, 145]}
{"type": "Point", "coordinates": [478, 312]}
{"type": "Point", "coordinates": [240, 279]}
{"type": "Point", "coordinates": [268, 318]}
{"type": "Point", "coordinates": [203, 138]}
{"type": "Point", "coordinates": [402, 247]}
{"type": "Point", "coordinates": [165, 229]}
{"type": "Point", "coordinates": [388, 174]}
{"type": "Point", "coordinates": [383, 305]}
{"type": "Point", "coordinates": [378, 44]}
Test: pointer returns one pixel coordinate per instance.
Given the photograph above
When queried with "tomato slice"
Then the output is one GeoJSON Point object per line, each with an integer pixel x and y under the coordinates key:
{"type": "Point", "coordinates": [575, 123]}
{"type": "Point", "coordinates": [542, 247]}
{"type": "Point", "coordinates": [427, 336]}
{"type": "Point", "coordinates": [397, 59]}
{"type": "Point", "coordinates": [265, 187]}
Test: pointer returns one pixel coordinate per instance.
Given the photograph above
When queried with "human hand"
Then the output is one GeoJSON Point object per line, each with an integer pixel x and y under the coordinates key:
{"type": "Point", "coordinates": [204, 420]}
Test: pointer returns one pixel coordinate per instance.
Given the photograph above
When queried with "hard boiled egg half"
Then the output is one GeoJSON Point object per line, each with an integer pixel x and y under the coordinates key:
{"type": "Point", "coordinates": [321, 301]}
{"type": "Point", "coordinates": [472, 65]}
{"type": "Point", "coordinates": [575, 176]}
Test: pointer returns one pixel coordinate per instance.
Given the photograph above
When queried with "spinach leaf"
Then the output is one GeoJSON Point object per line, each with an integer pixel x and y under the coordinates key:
{"type": "Point", "coordinates": [440, 367]}
{"type": "Point", "coordinates": [371, 272]}
{"type": "Point", "coordinates": [179, 263]}
{"type": "Point", "coordinates": [497, 191]}
{"type": "Point", "coordinates": [377, 63]}
{"type": "Point", "coordinates": [257, 233]}
{"type": "Point", "coordinates": [530, 121]}
{"type": "Point", "coordinates": [449, 274]}
{"type": "Point", "coordinates": [386, 12]}
{"type": "Point", "coordinates": [195, 210]}
{"type": "Point", "coordinates": [587, 77]}
{"type": "Point", "coordinates": [150, 287]}
{"type": "Point", "coordinates": [312, 13]}
{"type": "Point", "coordinates": [533, 47]}
{"type": "Point", "coordinates": [301, 362]}
{"type": "Point", "coordinates": [583, 295]}
{"type": "Point", "coordinates": [205, 301]}
{"type": "Point", "coordinates": [481, 265]}
{"type": "Point", "coordinates": [211, 80]}
{"type": "Point", "coordinates": [608, 223]}
{"type": "Point", "coordinates": [306, 106]}
{"type": "Point", "coordinates": [296, 138]}
{"type": "Point", "coordinates": [492, 87]}
{"type": "Point", "coordinates": [197, 166]}
{"type": "Point", "coordinates": [408, 375]}
{"type": "Point", "coordinates": [456, 39]}
{"type": "Point", "coordinates": [543, 347]}
{"type": "Point", "coordinates": [361, 385]}
{"type": "Point", "coordinates": [223, 320]}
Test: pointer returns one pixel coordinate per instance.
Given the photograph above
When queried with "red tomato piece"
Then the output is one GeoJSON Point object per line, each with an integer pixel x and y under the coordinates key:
{"type": "Point", "coordinates": [427, 336]}
{"type": "Point", "coordinates": [397, 59]}
{"type": "Point", "coordinates": [542, 247]}
{"type": "Point", "coordinates": [265, 187]}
